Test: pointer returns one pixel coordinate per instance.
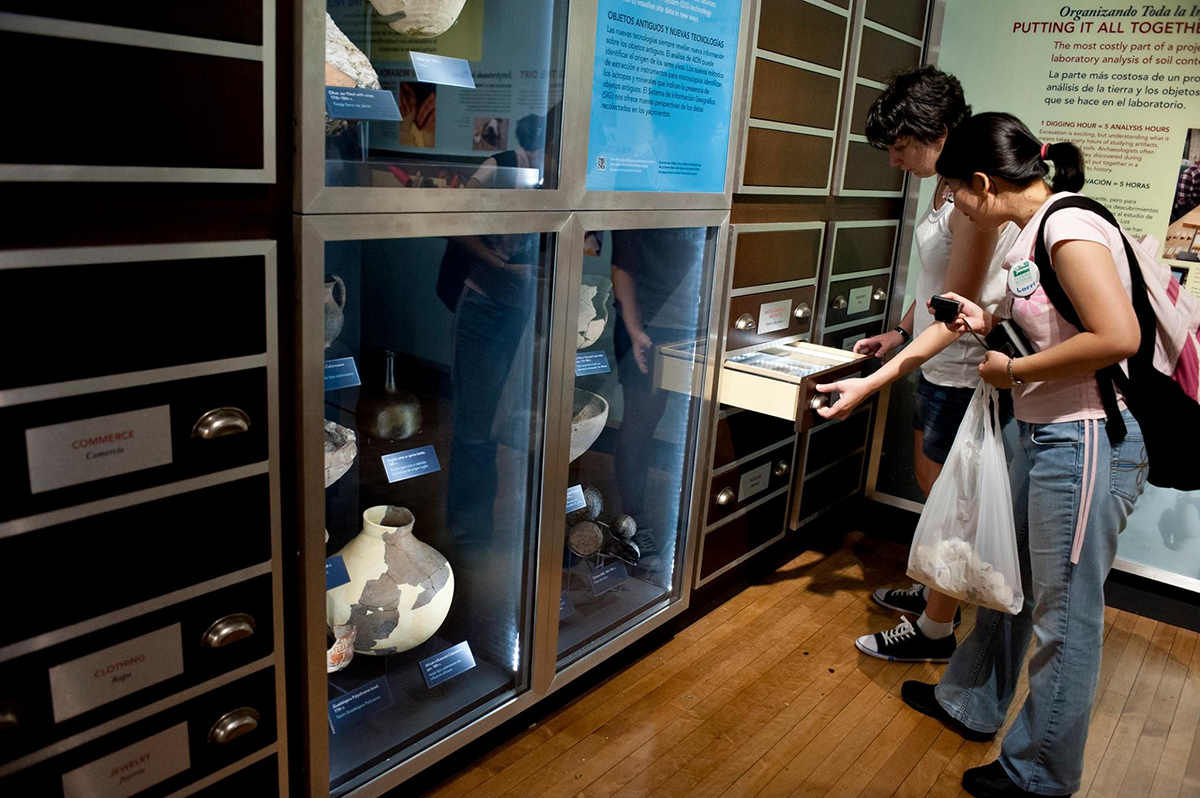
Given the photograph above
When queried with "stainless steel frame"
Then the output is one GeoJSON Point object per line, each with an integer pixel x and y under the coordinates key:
{"type": "Point", "coordinates": [313, 196]}
{"type": "Point", "coordinates": [69, 29]}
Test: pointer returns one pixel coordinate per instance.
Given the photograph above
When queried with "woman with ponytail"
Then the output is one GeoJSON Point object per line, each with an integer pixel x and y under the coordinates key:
{"type": "Point", "coordinates": [1074, 485]}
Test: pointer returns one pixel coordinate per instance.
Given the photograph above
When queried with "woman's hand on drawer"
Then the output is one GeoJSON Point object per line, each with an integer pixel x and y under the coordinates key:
{"type": "Point", "coordinates": [852, 392]}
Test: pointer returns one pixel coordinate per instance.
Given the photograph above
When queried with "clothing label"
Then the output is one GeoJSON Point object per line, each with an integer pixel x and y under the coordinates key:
{"type": "Point", "coordinates": [575, 500]}
{"type": "Point", "coordinates": [442, 69]}
{"type": "Point", "coordinates": [410, 463]}
{"type": "Point", "coordinates": [1023, 278]}
{"type": "Point", "coordinates": [608, 577]}
{"type": "Point", "coordinates": [860, 300]}
{"type": "Point", "coordinates": [82, 451]}
{"type": "Point", "coordinates": [93, 680]}
{"type": "Point", "coordinates": [591, 363]}
{"type": "Point", "coordinates": [774, 316]}
{"type": "Point", "coordinates": [359, 704]}
{"type": "Point", "coordinates": [565, 608]}
{"type": "Point", "coordinates": [336, 574]}
{"type": "Point", "coordinates": [368, 104]}
{"type": "Point", "coordinates": [341, 373]}
{"type": "Point", "coordinates": [445, 666]}
{"type": "Point", "coordinates": [754, 482]}
{"type": "Point", "coordinates": [132, 769]}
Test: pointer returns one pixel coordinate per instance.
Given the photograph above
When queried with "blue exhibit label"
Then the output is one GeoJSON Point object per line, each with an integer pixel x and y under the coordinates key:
{"type": "Point", "coordinates": [607, 577]}
{"type": "Point", "coordinates": [336, 574]}
{"type": "Point", "coordinates": [359, 704]}
{"type": "Point", "coordinates": [662, 95]}
{"type": "Point", "coordinates": [591, 363]}
{"type": "Point", "coordinates": [368, 104]}
{"type": "Point", "coordinates": [341, 373]}
{"type": "Point", "coordinates": [442, 69]}
{"type": "Point", "coordinates": [445, 666]}
{"type": "Point", "coordinates": [575, 500]}
{"type": "Point", "coordinates": [565, 608]}
{"type": "Point", "coordinates": [410, 463]}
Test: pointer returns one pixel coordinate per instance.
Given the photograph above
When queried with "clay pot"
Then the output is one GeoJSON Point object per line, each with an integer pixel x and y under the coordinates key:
{"type": "Point", "coordinates": [340, 451]}
{"type": "Point", "coordinates": [588, 416]}
{"type": "Point", "coordinates": [421, 18]}
{"type": "Point", "coordinates": [335, 318]}
{"type": "Point", "coordinates": [593, 309]}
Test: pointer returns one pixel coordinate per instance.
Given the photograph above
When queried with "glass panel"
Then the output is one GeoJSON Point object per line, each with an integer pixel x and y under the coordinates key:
{"type": "Point", "coordinates": [433, 472]}
{"type": "Point", "coordinates": [501, 132]}
{"type": "Point", "coordinates": [643, 321]}
{"type": "Point", "coordinates": [1164, 532]}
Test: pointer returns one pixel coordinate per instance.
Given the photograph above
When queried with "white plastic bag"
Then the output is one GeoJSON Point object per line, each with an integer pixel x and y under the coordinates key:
{"type": "Point", "coordinates": [966, 543]}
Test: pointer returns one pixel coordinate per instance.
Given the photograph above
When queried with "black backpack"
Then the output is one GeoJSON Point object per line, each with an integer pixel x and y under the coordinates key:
{"type": "Point", "coordinates": [1168, 416]}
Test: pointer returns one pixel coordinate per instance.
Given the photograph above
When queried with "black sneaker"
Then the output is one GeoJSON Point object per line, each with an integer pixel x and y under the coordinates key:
{"type": "Point", "coordinates": [992, 781]}
{"type": "Point", "coordinates": [906, 643]}
{"type": "Point", "coordinates": [909, 600]}
{"type": "Point", "coordinates": [920, 697]}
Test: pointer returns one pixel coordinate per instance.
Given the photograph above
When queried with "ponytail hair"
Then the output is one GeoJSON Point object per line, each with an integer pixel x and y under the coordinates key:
{"type": "Point", "coordinates": [1000, 145]}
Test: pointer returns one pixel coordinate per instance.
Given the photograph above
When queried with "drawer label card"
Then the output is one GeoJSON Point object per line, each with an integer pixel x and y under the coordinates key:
{"type": "Point", "coordinates": [608, 577]}
{"type": "Point", "coordinates": [341, 373]}
{"type": "Point", "coordinates": [848, 343]}
{"type": "Point", "coordinates": [410, 463]}
{"type": "Point", "coordinates": [565, 608]}
{"type": "Point", "coordinates": [860, 300]}
{"type": "Point", "coordinates": [442, 69]}
{"type": "Point", "coordinates": [336, 574]}
{"type": "Point", "coordinates": [591, 363]}
{"type": "Point", "coordinates": [754, 482]}
{"type": "Point", "coordinates": [359, 704]}
{"type": "Point", "coordinates": [75, 452]}
{"type": "Point", "coordinates": [350, 103]}
{"type": "Point", "coordinates": [445, 666]}
{"type": "Point", "coordinates": [774, 316]}
{"type": "Point", "coordinates": [132, 769]}
{"type": "Point", "coordinates": [575, 500]}
{"type": "Point", "coordinates": [95, 679]}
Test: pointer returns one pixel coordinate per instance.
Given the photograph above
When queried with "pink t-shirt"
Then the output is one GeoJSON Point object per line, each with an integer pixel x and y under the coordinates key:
{"type": "Point", "coordinates": [1071, 398]}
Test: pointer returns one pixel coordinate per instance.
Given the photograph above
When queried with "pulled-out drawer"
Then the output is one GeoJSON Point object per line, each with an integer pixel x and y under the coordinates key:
{"type": "Point", "coordinates": [761, 318]}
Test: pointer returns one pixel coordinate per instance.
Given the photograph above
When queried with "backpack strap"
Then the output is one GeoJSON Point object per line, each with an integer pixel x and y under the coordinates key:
{"type": "Point", "coordinates": [1112, 375]}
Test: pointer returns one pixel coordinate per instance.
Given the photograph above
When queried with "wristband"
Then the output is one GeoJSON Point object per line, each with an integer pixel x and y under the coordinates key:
{"type": "Point", "coordinates": [903, 333]}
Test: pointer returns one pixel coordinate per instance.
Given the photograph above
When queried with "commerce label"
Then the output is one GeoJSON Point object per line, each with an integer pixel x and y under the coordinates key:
{"type": "Point", "coordinates": [132, 769]}
{"type": "Point", "coordinates": [442, 69]}
{"type": "Point", "coordinates": [67, 454]}
{"type": "Point", "coordinates": [754, 482]}
{"type": "Point", "coordinates": [336, 574]}
{"type": "Point", "coordinates": [774, 316]}
{"type": "Point", "coordinates": [93, 680]}
{"type": "Point", "coordinates": [365, 104]}
{"type": "Point", "coordinates": [445, 666]}
{"type": "Point", "coordinates": [608, 577]}
{"type": "Point", "coordinates": [404, 465]}
{"type": "Point", "coordinates": [341, 373]}
{"type": "Point", "coordinates": [359, 704]}
{"type": "Point", "coordinates": [591, 363]}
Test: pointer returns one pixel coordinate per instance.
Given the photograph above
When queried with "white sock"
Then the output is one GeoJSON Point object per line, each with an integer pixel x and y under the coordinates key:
{"type": "Point", "coordinates": [925, 593]}
{"type": "Point", "coordinates": [934, 630]}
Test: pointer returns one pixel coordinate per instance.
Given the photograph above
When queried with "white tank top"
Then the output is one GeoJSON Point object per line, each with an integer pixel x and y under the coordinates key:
{"type": "Point", "coordinates": [956, 366]}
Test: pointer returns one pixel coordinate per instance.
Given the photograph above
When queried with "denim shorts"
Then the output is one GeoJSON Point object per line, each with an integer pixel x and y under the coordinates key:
{"type": "Point", "coordinates": [939, 411]}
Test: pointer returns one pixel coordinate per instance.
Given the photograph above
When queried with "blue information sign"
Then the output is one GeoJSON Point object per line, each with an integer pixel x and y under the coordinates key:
{"type": "Point", "coordinates": [575, 500]}
{"type": "Point", "coordinates": [369, 104]}
{"type": "Point", "coordinates": [341, 373]}
{"type": "Point", "coordinates": [565, 608]}
{"type": "Point", "coordinates": [662, 95]}
{"type": "Point", "coordinates": [336, 574]}
{"type": "Point", "coordinates": [442, 69]}
{"type": "Point", "coordinates": [591, 363]}
{"type": "Point", "coordinates": [411, 463]}
{"type": "Point", "coordinates": [445, 666]}
{"type": "Point", "coordinates": [359, 704]}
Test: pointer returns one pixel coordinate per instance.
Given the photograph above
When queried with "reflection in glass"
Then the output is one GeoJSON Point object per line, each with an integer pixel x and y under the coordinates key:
{"type": "Point", "coordinates": [435, 462]}
{"type": "Point", "coordinates": [639, 378]}
{"type": "Point", "coordinates": [1164, 532]}
{"type": "Point", "coordinates": [501, 133]}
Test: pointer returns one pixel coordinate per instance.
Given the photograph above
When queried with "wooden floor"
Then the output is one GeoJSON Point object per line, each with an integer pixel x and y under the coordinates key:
{"type": "Point", "coordinates": [767, 696]}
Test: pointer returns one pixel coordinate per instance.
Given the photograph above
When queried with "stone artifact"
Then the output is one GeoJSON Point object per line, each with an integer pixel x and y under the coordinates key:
{"type": "Point", "coordinates": [392, 415]}
{"type": "Point", "coordinates": [624, 527]}
{"type": "Point", "coordinates": [400, 589]}
{"type": "Point", "coordinates": [585, 539]}
{"type": "Point", "coordinates": [421, 18]}
{"type": "Point", "coordinates": [593, 309]}
{"type": "Point", "coordinates": [335, 317]}
{"type": "Point", "coordinates": [589, 413]}
{"type": "Point", "coordinates": [345, 66]}
{"type": "Point", "coordinates": [340, 450]}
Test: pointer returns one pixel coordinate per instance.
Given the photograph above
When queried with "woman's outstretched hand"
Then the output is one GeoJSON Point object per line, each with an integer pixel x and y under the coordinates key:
{"type": "Point", "coordinates": [851, 393]}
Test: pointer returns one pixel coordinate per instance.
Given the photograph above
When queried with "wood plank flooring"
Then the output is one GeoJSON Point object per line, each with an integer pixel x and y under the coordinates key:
{"type": "Point", "coordinates": [766, 697]}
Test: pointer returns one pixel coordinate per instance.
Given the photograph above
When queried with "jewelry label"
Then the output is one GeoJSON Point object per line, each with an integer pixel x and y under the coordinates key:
{"type": "Point", "coordinates": [75, 452]}
{"type": "Point", "coordinates": [132, 769]}
{"type": "Point", "coordinates": [774, 316]}
{"type": "Point", "coordinates": [754, 482]}
{"type": "Point", "coordinates": [93, 680]}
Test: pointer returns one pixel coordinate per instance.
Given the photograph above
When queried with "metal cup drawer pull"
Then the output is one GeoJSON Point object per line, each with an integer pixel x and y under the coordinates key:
{"type": "Point", "coordinates": [233, 725]}
{"type": "Point", "coordinates": [782, 468]}
{"type": "Point", "coordinates": [221, 422]}
{"type": "Point", "coordinates": [839, 302]}
{"type": "Point", "coordinates": [819, 401]}
{"type": "Point", "coordinates": [879, 295]}
{"type": "Point", "coordinates": [725, 496]}
{"type": "Point", "coordinates": [9, 720]}
{"type": "Point", "coordinates": [802, 311]}
{"type": "Point", "coordinates": [227, 630]}
{"type": "Point", "coordinates": [745, 322]}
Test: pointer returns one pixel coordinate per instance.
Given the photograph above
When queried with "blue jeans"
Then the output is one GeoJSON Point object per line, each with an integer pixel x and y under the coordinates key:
{"type": "Point", "coordinates": [1055, 467]}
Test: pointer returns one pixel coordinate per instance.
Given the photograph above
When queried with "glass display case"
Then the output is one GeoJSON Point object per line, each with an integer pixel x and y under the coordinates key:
{"type": "Point", "coordinates": [1162, 541]}
{"type": "Point", "coordinates": [639, 376]}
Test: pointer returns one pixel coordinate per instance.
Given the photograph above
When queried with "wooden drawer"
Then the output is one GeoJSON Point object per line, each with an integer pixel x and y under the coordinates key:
{"type": "Point", "coordinates": [867, 169]}
{"type": "Point", "coordinates": [783, 159]}
{"type": "Point", "coordinates": [59, 691]}
{"type": "Point", "coordinates": [794, 96]}
{"type": "Point", "coordinates": [846, 338]}
{"type": "Point", "coordinates": [804, 31]}
{"type": "Point", "coordinates": [906, 16]}
{"type": "Point", "coordinates": [60, 453]}
{"type": "Point", "coordinates": [745, 484]}
{"type": "Point", "coordinates": [860, 298]}
{"type": "Point", "coordinates": [751, 314]}
{"type": "Point", "coordinates": [864, 96]}
{"type": "Point", "coordinates": [776, 256]}
{"type": "Point", "coordinates": [835, 439]}
{"type": "Point", "coordinates": [86, 568]}
{"type": "Point", "coordinates": [742, 434]}
{"type": "Point", "coordinates": [260, 780]}
{"type": "Point", "coordinates": [781, 381]}
{"type": "Point", "coordinates": [864, 246]}
{"type": "Point", "coordinates": [176, 746]}
{"type": "Point", "coordinates": [828, 487]}
{"type": "Point", "coordinates": [883, 55]}
{"type": "Point", "coordinates": [739, 537]}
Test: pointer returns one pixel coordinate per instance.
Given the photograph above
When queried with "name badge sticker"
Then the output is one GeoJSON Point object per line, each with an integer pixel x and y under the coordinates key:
{"type": "Point", "coordinates": [1024, 278]}
{"type": "Point", "coordinates": [359, 704]}
{"type": "Point", "coordinates": [132, 769]}
{"type": "Point", "coordinates": [404, 465]}
{"type": "Point", "coordinates": [445, 666]}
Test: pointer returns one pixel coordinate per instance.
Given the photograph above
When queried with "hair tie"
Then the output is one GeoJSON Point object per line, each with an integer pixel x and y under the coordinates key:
{"type": "Point", "coordinates": [1045, 149]}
